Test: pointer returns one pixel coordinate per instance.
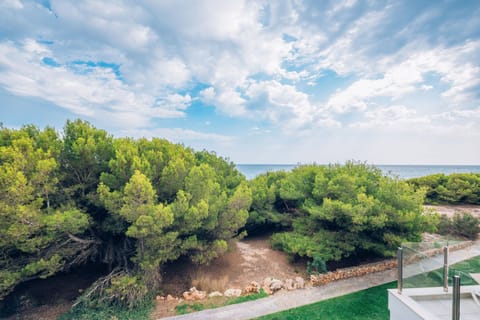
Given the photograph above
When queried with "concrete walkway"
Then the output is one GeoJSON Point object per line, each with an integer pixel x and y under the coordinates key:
{"type": "Point", "coordinates": [292, 299]}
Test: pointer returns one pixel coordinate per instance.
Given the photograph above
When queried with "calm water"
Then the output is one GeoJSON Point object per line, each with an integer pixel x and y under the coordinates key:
{"type": "Point", "coordinates": [402, 171]}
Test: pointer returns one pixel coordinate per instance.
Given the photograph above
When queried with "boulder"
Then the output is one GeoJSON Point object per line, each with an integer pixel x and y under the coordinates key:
{"type": "Point", "coordinates": [215, 294]}
{"type": "Point", "coordinates": [299, 283]}
{"type": "Point", "coordinates": [266, 285]}
{"type": "Point", "coordinates": [290, 284]}
{"type": "Point", "coordinates": [276, 285]}
{"type": "Point", "coordinates": [267, 281]}
{"type": "Point", "coordinates": [170, 297]}
{"type": "Point", "coordinates": [232, 293]}
{"type": "Point", "coordinates": [253, 287]}
{"type": "Point", "coordinates": [194, 294]}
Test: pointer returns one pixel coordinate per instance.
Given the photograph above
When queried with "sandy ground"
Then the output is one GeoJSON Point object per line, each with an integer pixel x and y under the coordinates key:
{"type": "Point", "coordinates": [450, 210]}
{"type": "Point", "coordinates": [251, 260]}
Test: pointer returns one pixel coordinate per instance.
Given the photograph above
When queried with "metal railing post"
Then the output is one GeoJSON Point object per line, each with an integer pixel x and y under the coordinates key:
{"type": "Point", "coordinates": [456, 298]}
{"type": "Point", "coordinates": [445, 268]}
{"type": "Point", "coordinates": [400, 270]}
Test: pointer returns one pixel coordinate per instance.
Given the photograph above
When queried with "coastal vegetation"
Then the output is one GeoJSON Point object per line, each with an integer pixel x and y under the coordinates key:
{"type": "Point", "coordinates": [82, 196]}
{"type": "Point", "coordinates": [336, 212]}
{"type": "Point", "coordinates": [457, 188]}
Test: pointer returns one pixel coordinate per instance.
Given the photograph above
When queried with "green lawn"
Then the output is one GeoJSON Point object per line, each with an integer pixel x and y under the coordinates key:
{"type": "Point", "coordinates": [369, 304]}
{"type": "Point", "coordinates": [435, 278]}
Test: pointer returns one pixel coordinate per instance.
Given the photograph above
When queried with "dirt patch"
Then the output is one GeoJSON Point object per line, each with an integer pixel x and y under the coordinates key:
{"type": "Point", "coordinates": [250, 260]}
{"type": "Point", "coordinates": [451, 210]}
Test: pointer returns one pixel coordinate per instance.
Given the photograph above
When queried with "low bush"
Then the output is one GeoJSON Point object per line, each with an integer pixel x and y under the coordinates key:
{"type": "Point", "coordinates": [336, 212]}
{"type": "Point", "coordinates": [316, 266]}
{"type": "Point", "coordinates": [458, 188]}
{"type": "Point", "coordinates": [461, 224]}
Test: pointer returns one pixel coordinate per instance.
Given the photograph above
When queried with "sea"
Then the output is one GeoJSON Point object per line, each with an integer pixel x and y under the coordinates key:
{"type": "Point", "coordinates": [401, 171]}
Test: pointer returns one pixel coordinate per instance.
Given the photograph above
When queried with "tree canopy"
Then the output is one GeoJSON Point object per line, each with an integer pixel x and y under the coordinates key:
{"type": "Point", "coordinates": [79, 195]}
{"type": "Point", "coordinates": [336, 211]}
{"type": "Point", "coordinates": [457, 188]}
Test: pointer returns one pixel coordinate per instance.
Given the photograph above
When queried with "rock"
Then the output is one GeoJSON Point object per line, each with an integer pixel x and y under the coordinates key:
{"type": "Point", "coordinates": [232, 293]}
{"type": "Point", "coordinates": [170, 298]}
{"type": "Point", "coordinates": [299, 283]}
{"type": "Point", "coordinates": [290, 285]}
{"type": "Point", "coordinates": [215, 294]}
{"type": "Point", "coordinates": [267, 281]}
{"type": "Point", "coordinates": [266, 285]}
{"type": "Point", "coordinates": [160, 298]}
{"type": "Point", "coordinates": [276, 285]}
{"type": "Point", "coordinates": [193, 294]}
{"type": "Point", "coordinates": [267, 290]}
{"type": "Point", "coordinates": [253, 287]}
{"type": "Point", "coordinates": [347, 273]}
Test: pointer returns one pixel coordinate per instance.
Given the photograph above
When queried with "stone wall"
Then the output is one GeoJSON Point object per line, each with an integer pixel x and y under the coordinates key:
{"type": "Point", "coordinates": [358, 271]}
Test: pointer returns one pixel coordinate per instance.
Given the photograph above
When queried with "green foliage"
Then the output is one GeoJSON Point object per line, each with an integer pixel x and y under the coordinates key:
{"type": "Point", "coordinates": [337, 211]}
{"type": "Point", "coordinates": [36, 232]}
{"type": "Point", "coordinates": [268, 210]}
{"type": "Point", "coordinates": [458, 188]}
{"type": "Point", "coordinates": [316, 266]}
{"type": "Point", "coordinates": [435, 278]}
{"type": "Point", "coordinates": [254, 296]}
{"type": "Point", "coordinates": [461, 224]}
{"type": "Point", "coordinates": [133, 204]}
{"type": "Point", "coordinates": [190, 307]}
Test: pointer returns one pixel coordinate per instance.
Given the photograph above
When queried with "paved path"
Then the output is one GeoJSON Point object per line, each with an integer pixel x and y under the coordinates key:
{"type": "Point", "coordinates": [287, 300]}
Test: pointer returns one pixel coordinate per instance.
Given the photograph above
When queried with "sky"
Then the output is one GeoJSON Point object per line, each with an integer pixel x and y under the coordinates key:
{"type": "Point", "coordinates": [285, 81]}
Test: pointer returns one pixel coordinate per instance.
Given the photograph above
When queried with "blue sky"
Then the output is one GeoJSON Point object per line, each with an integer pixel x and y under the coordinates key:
{"type": "Point", "coordinates": [387, 82]}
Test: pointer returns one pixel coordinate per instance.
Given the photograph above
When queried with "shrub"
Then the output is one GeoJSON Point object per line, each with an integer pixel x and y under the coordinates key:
{"type": "Point", "coordinates": [317, 265]}
{"type": "Point", "coordinates": [461, 224]}
{"type": "Point", "coordinates": [338, 211]}
{"type": "Point", "coordinates": [458, 188]}
{"type": "Point", "coordinates": [466, 225]}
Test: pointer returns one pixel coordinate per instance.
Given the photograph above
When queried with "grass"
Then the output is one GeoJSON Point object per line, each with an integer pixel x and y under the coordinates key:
{"type": "Point", "coordinates": [369, 304]}
{"type": "Point", "coordinates": [110, 313]}
{"type": "Point", "coordinates": [435, 278]}
{"type": "Point", "coordinates": [372, 303]}
{"type": "Point", "coordinates": [199, 306]}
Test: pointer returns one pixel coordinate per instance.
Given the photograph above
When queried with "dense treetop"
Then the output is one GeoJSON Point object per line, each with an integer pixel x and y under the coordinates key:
{"type": "Point", "coordinates": [79, 195]}
{"type": "Point", "coordinates": [457, 188]}
{"type": "Point", "coordinates": [333, 212]}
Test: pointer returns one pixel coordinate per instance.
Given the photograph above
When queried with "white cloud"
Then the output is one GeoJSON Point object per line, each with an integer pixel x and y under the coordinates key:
{"type": "Point", "coordinates": [282, 104]}
{"type": "Point", "coordinates": [399, 118]}
{"type": "Point", "coordinates": [96, 93]}
{"type": "Point", "coordinates": [405, 76]}
{"type": "Point", "coordinates": [226, 99]}
{"type": "Point", "coordinates": [15, 4]}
